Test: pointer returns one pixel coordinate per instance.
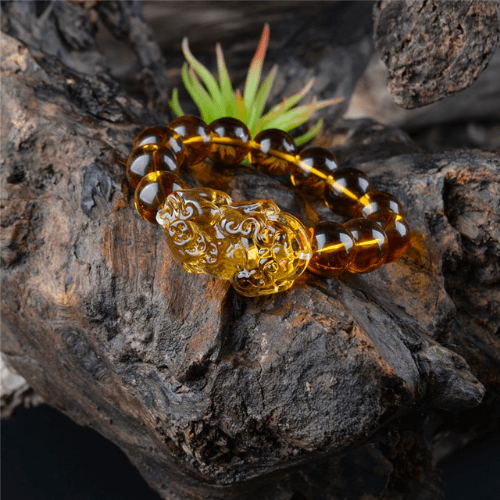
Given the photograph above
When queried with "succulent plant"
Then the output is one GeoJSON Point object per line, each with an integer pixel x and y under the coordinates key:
{"type": "Point", "coordinates": [217, 99]}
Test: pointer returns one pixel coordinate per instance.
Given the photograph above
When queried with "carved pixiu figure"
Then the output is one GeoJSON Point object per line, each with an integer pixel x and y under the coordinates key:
{"type": "Point", "coordinates": [259, 248]}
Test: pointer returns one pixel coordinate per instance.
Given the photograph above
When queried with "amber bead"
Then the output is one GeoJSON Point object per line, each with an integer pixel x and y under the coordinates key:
{"type": "Point", "coordinates": [371, 245]}
{"type": "Point", "coordinates": [343, 190]}
{"type": "Point", "coordinates": [397, 231]}
{"type": "Point", "coordinates": [150, 135]}
{"type": "Point", "coordinates": [149, 158]}
{"type": "Point", "coordinates": [196, 136]}
{"type": "Point", "coordinates": [304, 175]}
{"type": "Point", "coordinates": [165, 136]}
{"type": "Point", "coordinates": [152, 192]}
{"type": "Point", "coordinates": [273, 152]}
{"type": "Point", "coordinates": [378, 201]}
{"type": "Point", "coordinates": [230, 141]}
{"type": "Point", "coordinates": [333, 248]}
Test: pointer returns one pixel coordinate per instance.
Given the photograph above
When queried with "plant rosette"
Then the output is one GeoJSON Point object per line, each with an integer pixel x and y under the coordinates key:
{"type": "Point", "coordinates": [218, 99]}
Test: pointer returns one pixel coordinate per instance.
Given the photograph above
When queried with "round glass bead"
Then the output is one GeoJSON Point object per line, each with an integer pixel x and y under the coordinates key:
{"type": "Point", "coordinates": [396, 230]}
{"type": "Point", "coordinates": [378, 201]}
{"type": "Point", "coordinates": [333, 248]}
{"type": "Point", "coordinates": [196, 136]}
{"type": "Point", "coordinates": [237, 135]}
{"type": "Point", "coordinates": [152, 192]}
{"type": "Point", "coordinates": [371, 245]}
{"type": "Point", "coordinates": [274, 152]}
{"type": "Point", "coordinates": [162, 135]}
{"type": "Point", "coordinates": [303, 172]}
{"type": "Point", "coordinates": [343, 190]}
{"type": "Point", "coordinates": [150, 135]}
{"type": "Point", "coordinates": [149, 158]}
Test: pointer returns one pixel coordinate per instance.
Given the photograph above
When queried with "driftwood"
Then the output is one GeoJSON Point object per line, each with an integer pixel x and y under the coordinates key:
{"type": "Point", "coordinates": [210, 394]}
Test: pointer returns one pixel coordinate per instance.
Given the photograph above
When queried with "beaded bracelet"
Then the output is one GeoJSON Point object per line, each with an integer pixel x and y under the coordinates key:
{"type": "Point", "coordinates": [261, 249]}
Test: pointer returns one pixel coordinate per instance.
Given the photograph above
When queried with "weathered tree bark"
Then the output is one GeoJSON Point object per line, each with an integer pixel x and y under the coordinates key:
{"type": "Point", "coordinates": [210, 394]}
{"type": "Point", "coordinates": [434, 49]}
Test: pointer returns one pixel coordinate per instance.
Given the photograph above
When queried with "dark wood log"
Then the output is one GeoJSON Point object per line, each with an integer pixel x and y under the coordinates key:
{"type": "Point", "coordinates": [210, 394]}
{"type": "Point", "coordinates": [434, 49]}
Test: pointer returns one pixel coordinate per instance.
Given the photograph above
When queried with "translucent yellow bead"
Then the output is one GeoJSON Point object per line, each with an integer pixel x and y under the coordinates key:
{"type": "Point", "coordinates": [396, 230]}
{"type": "Point", "coordinates": [150, 135]}
{"type": "Point", "coordinates": [343, 190]}
{"type": "Point", "coordinates": [273, 152]}
{"type": "Point", "coordinates": [310, 172]}
{"type": "Point", "coordinates": [149, 158]}
{"type": "Point", "coordinates": [259, 248]}
{"type": "Point", "coordinates": [152, 192]}
{"type": "Point", "coordinates": [196, 137]}
{"type": "Point", "coordinates": [333, 248]}
{"type": "Point", "coordinates": [237, 135]}
{"type": "Point", "coordinates": [164, 136]}
{"type": "Point", "coordinates": [371, 245]}
{"type": "Point", "coordinates": [378, 201]}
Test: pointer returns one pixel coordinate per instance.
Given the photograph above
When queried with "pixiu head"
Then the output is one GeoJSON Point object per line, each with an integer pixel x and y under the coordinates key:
{"type": "Point", "coordinates": [253, 244]}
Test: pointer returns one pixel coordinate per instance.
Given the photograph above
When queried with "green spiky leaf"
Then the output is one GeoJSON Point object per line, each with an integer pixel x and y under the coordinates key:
{"type": "Point", "coordinates": [253, 76]}
{"type": "Point", "coordinates": [287, 103]}
{"type": "Point", "coordinates": [217, 99]}
{"type": "Point", "coordinates": [175, 105]}
{"type": "Point", "coordinates": [241, 109]}
{"type": "Point", "coordinates": [201, 99]}
{"type": "Point", "coordinates": [294, 117]}
{"type": "Point", "coordinates": [228, 97]}
{"type": "Point", "coordinates": [204, 74]}
{"type": "Point", "coordinates": [310, 134]}
{"type": "Point", "coordinates": [261, 98]}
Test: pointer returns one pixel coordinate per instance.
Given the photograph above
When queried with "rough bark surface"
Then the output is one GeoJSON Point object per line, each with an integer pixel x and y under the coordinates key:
{"type": "Point", "coordinates": [213, 395]}
{"type": "Point", "coordinates": [434, 49]}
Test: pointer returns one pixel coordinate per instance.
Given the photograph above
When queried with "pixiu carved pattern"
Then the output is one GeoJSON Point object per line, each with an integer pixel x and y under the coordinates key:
{"type": "Point", "coordinates": [253, 244]}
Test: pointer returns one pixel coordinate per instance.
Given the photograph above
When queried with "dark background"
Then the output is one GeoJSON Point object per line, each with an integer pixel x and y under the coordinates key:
{"type": "Point", "coordinates": [46, 456]}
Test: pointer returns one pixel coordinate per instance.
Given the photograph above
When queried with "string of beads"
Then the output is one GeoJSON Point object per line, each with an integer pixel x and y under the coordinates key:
{"type": "Point", "coordinates": [259, 248]}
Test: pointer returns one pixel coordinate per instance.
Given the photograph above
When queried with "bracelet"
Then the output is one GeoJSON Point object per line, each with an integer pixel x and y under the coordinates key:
{"type": "Point", "coordinates": [260, 248]}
